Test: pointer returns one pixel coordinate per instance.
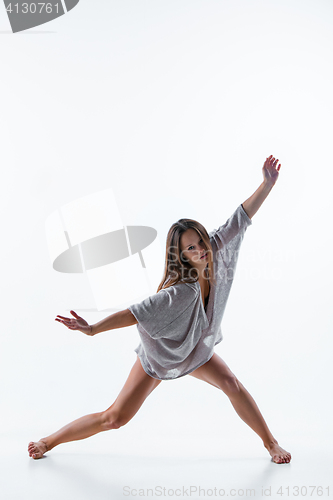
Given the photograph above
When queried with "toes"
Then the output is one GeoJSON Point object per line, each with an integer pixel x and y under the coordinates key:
{"type": "Point", "coordinates": [34, 451]}
{"type": "Point", "coordinates": [284, 458]}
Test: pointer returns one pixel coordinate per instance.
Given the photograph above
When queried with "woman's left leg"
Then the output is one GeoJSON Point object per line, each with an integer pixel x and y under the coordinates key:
{"type": "Point", "coordinates": [217, 373]}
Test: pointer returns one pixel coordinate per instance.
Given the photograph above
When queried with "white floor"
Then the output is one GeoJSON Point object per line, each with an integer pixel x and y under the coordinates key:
{"type": "Point", "coordinates": [186, 434]}
{"type": "Point", "coordinates": [242, 473]}
{"type": "Point", "coordinates": [170, 451]}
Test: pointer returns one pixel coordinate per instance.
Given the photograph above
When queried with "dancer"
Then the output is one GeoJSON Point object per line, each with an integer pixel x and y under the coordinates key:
{"type": "Point", "coordinates": [179, 326]}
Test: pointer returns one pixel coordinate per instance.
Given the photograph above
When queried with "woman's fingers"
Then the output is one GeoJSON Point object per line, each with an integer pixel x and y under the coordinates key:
{"type": "Point", "coordinates": [268, 161]}
{"type": "Point", "coordinates": [65, 321]}
{"type": "Point", "coordinates": [76, 315]}
{"type": "Point", "coordinates": [72, 324]}
{"type": "Point", "coordinates": [271, 163]}
{"type": "Point", "coordinates": [76, 323]}
{"type": "Point", "coordinates": [60, 320]}
{"type": "Point", "coordinates": [72, 312]}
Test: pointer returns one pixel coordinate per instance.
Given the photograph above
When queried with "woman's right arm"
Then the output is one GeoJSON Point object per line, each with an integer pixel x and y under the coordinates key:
{"type": "Point", "coordinates": [119, 319]}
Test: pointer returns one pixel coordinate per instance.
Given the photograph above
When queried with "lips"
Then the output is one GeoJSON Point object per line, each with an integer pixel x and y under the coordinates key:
{"type": "Point", "coordinates": [203, 256]}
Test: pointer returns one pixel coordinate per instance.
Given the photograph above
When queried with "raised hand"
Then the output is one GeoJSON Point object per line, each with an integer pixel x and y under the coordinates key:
{"type": "Point", "coordinates": [76, 323]}
{"type": "Point", "coordinates": [269, 170]}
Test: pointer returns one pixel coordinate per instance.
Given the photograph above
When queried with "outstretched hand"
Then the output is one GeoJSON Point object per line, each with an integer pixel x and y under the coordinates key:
{"type": "Point", "coordinates": [76, 323]}
{"type": "Point", "coordinates": [269, 170]}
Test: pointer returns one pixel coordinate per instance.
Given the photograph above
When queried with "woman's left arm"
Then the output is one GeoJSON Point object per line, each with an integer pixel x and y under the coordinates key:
{"type": "Point", "coordinates": [271, 174]}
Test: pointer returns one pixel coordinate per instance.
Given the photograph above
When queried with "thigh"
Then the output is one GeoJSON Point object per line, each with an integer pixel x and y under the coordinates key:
{"type": "Point", "coordinates": [216, 372]}
{"type": "Point", "coordinates": [136, 389]}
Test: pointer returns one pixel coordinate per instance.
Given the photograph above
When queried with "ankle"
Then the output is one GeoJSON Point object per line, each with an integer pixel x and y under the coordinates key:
{"type": "Point", "coordinates": [270, 443]}
{"type": "Point", "coordinates": [48, 448]}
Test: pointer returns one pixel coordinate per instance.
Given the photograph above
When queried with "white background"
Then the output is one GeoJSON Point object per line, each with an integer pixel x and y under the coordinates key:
{"type": "Point", "coordinates": [175, 105]}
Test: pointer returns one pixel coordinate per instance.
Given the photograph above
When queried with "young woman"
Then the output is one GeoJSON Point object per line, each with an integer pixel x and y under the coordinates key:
{"type": "Point", "coordinates": [180, 325]}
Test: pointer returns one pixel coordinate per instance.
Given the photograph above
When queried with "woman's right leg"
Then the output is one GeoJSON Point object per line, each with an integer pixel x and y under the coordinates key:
{"type": "Point", "coordinates": [135, 390]}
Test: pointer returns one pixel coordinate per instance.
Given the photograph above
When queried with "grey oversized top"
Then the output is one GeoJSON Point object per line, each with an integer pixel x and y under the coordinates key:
{"type": "Point", "coordinates": [177, 334]}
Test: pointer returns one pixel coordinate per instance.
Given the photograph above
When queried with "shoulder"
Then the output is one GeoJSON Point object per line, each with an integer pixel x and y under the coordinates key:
{"type": "Point", "coordinates": [181, 290]}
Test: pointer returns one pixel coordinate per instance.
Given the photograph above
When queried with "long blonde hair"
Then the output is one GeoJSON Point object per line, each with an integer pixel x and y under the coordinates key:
{"type": "Point", "coordinates": [176, 268]}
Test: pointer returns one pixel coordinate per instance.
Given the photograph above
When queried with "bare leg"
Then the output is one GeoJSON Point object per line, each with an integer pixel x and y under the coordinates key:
{"type": "Point", "coordinates": [136, 389]}
{"type": "Point", "coordinates": [217, 373]}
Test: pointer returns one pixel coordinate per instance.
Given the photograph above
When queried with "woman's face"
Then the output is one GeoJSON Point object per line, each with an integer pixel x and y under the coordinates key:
{"type": "Point", "coordinates": [192, 249]}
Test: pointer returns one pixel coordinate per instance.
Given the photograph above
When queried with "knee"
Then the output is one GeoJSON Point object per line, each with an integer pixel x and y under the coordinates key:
{"type": "Point", "coordinates": [112, 420]}
{"type": "Point", "coordinates": [230, 385]}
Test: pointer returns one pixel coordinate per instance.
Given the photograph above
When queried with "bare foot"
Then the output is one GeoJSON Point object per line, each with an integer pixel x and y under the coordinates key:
{"type": "Point", "coordinates": [37, 450]}
{"type": "Point", "coordinates": [278, 454]}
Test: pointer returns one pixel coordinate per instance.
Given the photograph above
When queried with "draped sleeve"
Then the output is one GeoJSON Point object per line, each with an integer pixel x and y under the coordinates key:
{"type": "Point", "coordinates": [235, 225]}
{"type": "Point", "coordinates": [227, 239]}
{"type": "Point", "coordinates": [168, 312]}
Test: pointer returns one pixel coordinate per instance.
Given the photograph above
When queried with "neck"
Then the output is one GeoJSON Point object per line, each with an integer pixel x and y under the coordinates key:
{"type": "Point", "coordinates": [203, 274]}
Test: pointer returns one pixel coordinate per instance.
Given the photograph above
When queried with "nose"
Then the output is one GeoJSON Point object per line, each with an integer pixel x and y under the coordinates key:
{"type": "Point", "coordinates": [203, 250]}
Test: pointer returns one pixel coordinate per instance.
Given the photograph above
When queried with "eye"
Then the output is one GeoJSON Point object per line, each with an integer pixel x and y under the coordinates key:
{"type": "Point", "coordinates": [192, 245]}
